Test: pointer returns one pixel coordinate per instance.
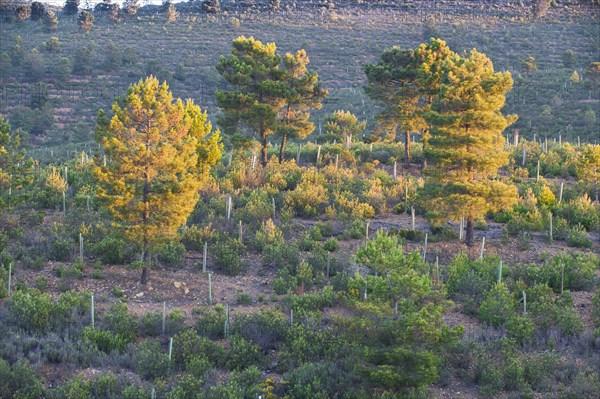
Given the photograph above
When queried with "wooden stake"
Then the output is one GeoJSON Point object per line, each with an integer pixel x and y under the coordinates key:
{"type": "Point", "coordinates": [298, 154]}
{"type": "Point", "coordinates": [81, 247]}
{"type": "Point", "coordinates": [228, 207]}
{"type": "Point", "coordinates": [500, 271]}
{"type": "Point", "coordinates": [395, 170]}
{"type": "Point", "coordinates": [412, 217]}
{"type": "Point", "coordinates": [538, 170]}
{"type": "Point", "coordinates": [405, 197]}
{"type": "Point", "coordinates": [64, 204]}
{"type": "Point", "coordinates": [523, 161]}
{"type": "Point", "coordinates": [367, 232]}
{"type": "Point", "coordinates": [273, 202]}
{"type": "Point", "coordinates": [164, 316]}
{"type": "Point", "coordinates": [209, 289]}
{"type": "Point", "coordinates": [425, 248]}
{"type": "Point", "coordinates": [93, 316]}
{"type": "Point", "coordinates": [328, 262]}
{"type": "Point", "coordinates": [204, 257]}
{"type": "Point", "coordinates": [524, 304]}
{"type": "Point", "coordinates": [482, 248]}
{"type": "Point", "coordinates": [562, 277]}
{"type": "Point", "coordinates": [550, 220]}
{"type": "Point", "coordinates": [318, 153]}
{"type": "Point", "coordinates": [560, 194]}
{"type": "Point", "coordinates": [170, 348]}
{"type": "Point", "coordinates": [9, 278]}
{"type": "Point", "coordinates": [241, 236]}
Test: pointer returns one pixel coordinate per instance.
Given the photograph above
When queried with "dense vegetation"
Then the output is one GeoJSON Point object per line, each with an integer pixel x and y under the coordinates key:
{"type": "Point", "coordinates": [430, 236]}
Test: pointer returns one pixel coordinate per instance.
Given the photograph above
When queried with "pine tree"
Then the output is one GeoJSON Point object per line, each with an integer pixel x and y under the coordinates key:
{"type": "Point", "coordinates": [71, 7]}
{"type": "Point", "coordinates": [50, 21]}
{"type": "Point", "coordinates": [86, 21]}
{"type": "Point", "coordinates": [38, 10]}
{"type": "Point", "coordinates": [343, 125]}
{"type": "Point", "coordinates": [405, 82]}
{"type": "Point", "coordinates": [15, 170]}
{"type": "Point", "coordinates": [466, 147]}
{"type": "Point", "coordinates": [159, 153]}
{"type": "Point", "coordinates": [131, 7]}
{"type": "Point", "coordinates": [302, 92]}
{"type": "Point", "coordinates": [254, 68]}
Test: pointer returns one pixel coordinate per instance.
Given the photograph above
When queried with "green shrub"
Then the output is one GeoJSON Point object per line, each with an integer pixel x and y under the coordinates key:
{"type": "Point", "coordinates": [412, 235]}
{"type": "Point", "coordinates": [69, 307]}
{"type": "Point", "coordinates": [244, 299]}
{"type": "Point", "coordinates": [194, 238]}
{"type": "Point", "coordinates": [198, 366]}
{"type": "Point", "coordinates": [188, 345]}
{"type": "Point", "coordinates": [151, 361]}
{"type": "Point", "coordinates": [241, 384]}
{"type": "Point", "coordinates": [574, 271]}
{"type": "Point", "coordinates": [210, 322]}
{"type": "Point", "coordinates": [266, 328]}
{"type": "Point", "coordinates": [468, 280]}
{"type": "Point", "coordinates": [19, 381]}
{"type": "Point", "coordinates": [243, 354]}
{"type": "Point", "coordinates": [498, 306]}
{"type": "Point", "coordinates": [578, 237]}
{"type": "Point", "coordinates": [105, 340]}
{"type": "Point", "coordinates": [121, 323]}
{"type": "Point", "coordinates": [325, 228]}
{"type": "Point", "coordinates": [331, 245]}
{"type": "Point", "coordinates": [61, 250]}
{"type": "Point", "coordinates": [581, 211]}
{"type": "Point", "coordinates": [520, 328]}
{"type": "Point", "coordinates": [227, 255]}
{"type": "Point", "coordinates": [151, 324]}
{"type": "Point", "coordinates": [30, 310]}
{"type": "Point", "coordinates": [311, 302]}
{"type": "Point", "coordinates": [114, 251]}
{"type": "Point", "coordinates": [356, 230]}
{"type": "Point", "coordinates": [282, 256]}
{"type": "Point", "coordinates": [172, 253]}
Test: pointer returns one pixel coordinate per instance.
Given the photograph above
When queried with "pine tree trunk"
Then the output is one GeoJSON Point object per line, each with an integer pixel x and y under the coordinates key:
{"type": "Point", "coordinates": [263, 150]}
{"type": "Point", "coordinates": [470, 232]}
{"type": "Point", "coordinates": [144, 278]}
{"type": "Point", "coordinates": [282, 149]}
{"type": "Point", "coordinates": [407, 147]}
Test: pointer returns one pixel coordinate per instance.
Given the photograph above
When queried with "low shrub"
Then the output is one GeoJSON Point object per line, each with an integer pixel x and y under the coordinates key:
{"type": "Point", "coordinates": [578, 237]}
{"type": "Point", "coordinates": [114, 251]}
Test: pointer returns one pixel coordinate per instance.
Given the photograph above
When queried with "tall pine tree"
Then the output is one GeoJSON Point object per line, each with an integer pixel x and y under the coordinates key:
{"type": "Point", "coordinates": [302, 92]}
{"type": "Point", "coordinates": [404, 81]}
{"type": "Point", "coordinates": [253, 68]}
{"type": "Point", "coordinates": [466, 148]}
{"type": "Point", "coordinates": [159, 153]}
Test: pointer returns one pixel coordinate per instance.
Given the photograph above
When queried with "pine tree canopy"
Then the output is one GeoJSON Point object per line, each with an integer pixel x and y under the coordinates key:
{"type": "Point", "coordinates": [159, 153]}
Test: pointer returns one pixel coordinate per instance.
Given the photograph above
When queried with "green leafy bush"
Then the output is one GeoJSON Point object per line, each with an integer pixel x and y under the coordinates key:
{"type": "Point", "coordinates": [578, 237]}
{"type": "Point", "coordinates": [570, 270]}
{"type": "Point", "coordinates": [188, 345]}
{"type": "Point", "coordinates": [172, 253]}
{"type": "Point", "coordinates": [243, 354]}
{"type": "Point", "coordinates": [30, 310]}
{"type": "Point", "coordinates": [105, 340]}
{"type": "Point", "coordinates": [118, 320]}
{"type": "Point", "coordinates": [151, 361]}
{"type": "Point", "coordinates": [498, 306]}
{"type": "Point", "coordinates": [468, 280]}
{"type": "Point", "coordinates": [210, 322]}
{"type": "Point", "coordinates": [227, 254]}
{"type": "Point", "coordinates": [114, 251]}
{"type": "Point", "coordinates": [19, 381]}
